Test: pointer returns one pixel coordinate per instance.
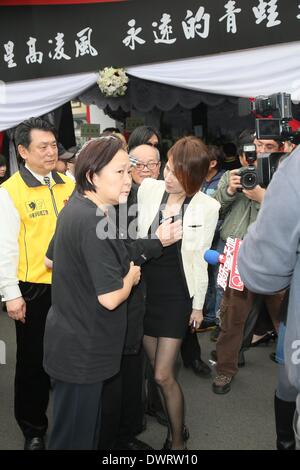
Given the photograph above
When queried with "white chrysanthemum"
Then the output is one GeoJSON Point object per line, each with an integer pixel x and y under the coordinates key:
{"type": "Point", "coordinates": [112, 82]}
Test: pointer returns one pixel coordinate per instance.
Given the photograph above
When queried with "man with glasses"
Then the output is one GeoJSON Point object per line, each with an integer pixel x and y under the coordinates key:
{"type": "Point", "coordinates": [148, 163]}
{"type": "Point", "coordinates": [266, 146]}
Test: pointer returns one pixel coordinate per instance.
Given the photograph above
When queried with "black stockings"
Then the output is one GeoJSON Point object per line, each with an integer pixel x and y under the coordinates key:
{"type": "Point", "coordinates": [162, 353]}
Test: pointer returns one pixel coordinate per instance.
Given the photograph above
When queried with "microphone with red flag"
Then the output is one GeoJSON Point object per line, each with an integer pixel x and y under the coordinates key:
{"type": "Point", "coordinates": [228, 264]}
{"type": "Point", "coordinates": [214, 257]}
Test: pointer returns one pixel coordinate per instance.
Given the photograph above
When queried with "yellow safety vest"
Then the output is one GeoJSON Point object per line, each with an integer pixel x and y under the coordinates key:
{"type": "Point", "coordinates": [38, 207]}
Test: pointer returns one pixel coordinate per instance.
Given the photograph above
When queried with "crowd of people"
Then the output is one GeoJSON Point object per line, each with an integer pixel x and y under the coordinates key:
{"type": "Point", "coordinates": [103, 273]}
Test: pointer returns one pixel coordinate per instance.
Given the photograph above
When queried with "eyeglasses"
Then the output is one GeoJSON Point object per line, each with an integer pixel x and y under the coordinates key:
{"type": "Point", "coordinates": [266, 146]}
{"type": "Point", "coordinates": [149, 166]}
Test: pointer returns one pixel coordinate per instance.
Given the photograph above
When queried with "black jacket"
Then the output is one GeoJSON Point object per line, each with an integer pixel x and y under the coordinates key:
{"type": "Point", "coordinates": [140, 250]}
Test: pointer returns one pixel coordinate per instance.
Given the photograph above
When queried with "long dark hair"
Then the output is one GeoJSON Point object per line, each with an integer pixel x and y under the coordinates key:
{"type": "Point", "coordinates": [141, 135]}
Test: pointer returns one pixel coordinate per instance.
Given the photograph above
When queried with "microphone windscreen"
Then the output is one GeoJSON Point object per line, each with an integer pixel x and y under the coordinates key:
{"type": "Point", "coordinates": [211, 256]}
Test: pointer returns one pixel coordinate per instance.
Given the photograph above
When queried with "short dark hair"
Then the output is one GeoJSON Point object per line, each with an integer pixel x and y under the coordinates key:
{"type": "Point", "coordinates": [119, 135]}
{"type": "Point", "coordinates": [111, 129]}
{"type": "Point", "coordinates": [247, 136]}
{"type": "Point", "coordinates": [216, 153]}
{"type": "Point", "coordinates": [92, 158]}
{"type": "Point", "coordinates": [191, 163]}
{"type": "Point", "coordinates": [141, 135]}
{"type": "Point", "coordinates": [3, 161]}
{"type": "Point", "coordinates": [230, 149]}
{"type": "Point", "coordinates": [22, 134]}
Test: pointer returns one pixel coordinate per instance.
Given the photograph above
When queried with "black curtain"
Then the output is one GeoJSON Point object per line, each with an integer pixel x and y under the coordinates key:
{"type": "Point", "coordinates": [63, 121]}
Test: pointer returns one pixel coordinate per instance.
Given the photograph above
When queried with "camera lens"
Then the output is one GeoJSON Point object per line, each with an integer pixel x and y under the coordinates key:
{"type": "Point", "coordinates": [249, 179]}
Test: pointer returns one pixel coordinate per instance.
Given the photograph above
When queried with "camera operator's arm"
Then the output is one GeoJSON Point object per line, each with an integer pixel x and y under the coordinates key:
{"type": "Point", "coordinates": [227, 190]}
{"type": "Point", "coordinates": [257, 194]}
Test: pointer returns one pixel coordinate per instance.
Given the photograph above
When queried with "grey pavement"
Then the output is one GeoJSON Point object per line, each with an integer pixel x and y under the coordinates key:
{"type": "Point", "coordinates": [241, 420]}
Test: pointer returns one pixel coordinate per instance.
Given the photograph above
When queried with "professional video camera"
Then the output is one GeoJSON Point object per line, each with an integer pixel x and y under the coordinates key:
{"type": "Point", "coordinates": [267, 164]}
{"type": "Point", "coordinates": [277, 127]}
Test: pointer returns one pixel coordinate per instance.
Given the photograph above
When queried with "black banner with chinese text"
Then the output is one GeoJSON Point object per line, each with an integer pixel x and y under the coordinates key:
{"type": "Point", "coordinates": [47, 40]}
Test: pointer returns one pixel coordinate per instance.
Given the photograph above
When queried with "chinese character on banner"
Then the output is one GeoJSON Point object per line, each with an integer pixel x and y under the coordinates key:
{"type": "Point", "coordinates": [198, 24]}
{"type": "Point", "coordinates": [33, 55]}
{"type": "Point", "coordinates": [235, 281]}
{"type": "Point", "coordinates": [84, 46]}
{"type": "Point", "coordinates": [133, 37]}
{"type": "Point", "coordinates": [59, 49]}
{"type": "Point", "coordinates": [230, 15]}
{"type": "Point", "coordinates": [225, 268]}
{"type": "Point", "coordinates": [165, 30]}
{"type": "Point", "coordinates": [266, 10]}
{"type": "Point", "coordinates": [9, 56]}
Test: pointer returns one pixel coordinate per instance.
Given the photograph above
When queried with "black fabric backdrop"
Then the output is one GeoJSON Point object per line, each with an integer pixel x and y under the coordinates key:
{"type": "Point", "coordinates": [109, 25]}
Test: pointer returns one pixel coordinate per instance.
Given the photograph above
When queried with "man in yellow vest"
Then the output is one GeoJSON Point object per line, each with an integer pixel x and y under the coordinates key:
{"type": "Point", "coordinates": [30, 202]}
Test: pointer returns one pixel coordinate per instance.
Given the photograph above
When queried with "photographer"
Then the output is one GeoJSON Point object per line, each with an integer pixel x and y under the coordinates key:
{"type": "Point", "coordinates": [281, 261]}
{"type": "Point", "coordinates": [234, 199]}
{"type": "Point", "coordinates": [239, 208]}
{"type": "Point", "coordinates": [266, 145]}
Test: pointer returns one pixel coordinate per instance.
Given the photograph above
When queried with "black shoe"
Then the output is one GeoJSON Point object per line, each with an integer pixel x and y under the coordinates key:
{"type": "Point", "coordinates": [199, 368]}
{"type": "Point", "coordinates": [241, 360]}
{"type": "Point", "coordinates": [133, 444]}
{"type": "Point", "coordinates": [265, 339]}
{"type": "Point", "coordinates": [213, 355]}
{"type": "Point", "coordinates": [273, 357]}
{"type": "Point", "coordinates": [185, 436]}
{"type": "Point", "coordinates": [34, 443]}
{"type": "Point", "coordinates": [284, 416]}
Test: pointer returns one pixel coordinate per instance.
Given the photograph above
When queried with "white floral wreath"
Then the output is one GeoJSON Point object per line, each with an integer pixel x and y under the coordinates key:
{"type": "Point", "coordinates": [112, 82]}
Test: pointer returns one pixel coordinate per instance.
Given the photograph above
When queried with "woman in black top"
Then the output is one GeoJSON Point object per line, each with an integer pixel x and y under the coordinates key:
{"type": "Point", "coordinates": [92, 278]}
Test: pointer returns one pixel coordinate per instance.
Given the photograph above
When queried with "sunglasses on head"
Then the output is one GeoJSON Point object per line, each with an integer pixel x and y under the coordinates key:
{"type": "Point", "coordinates": [103, 137]}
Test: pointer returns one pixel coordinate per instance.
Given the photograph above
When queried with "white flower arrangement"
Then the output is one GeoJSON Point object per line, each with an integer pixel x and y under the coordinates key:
{"type": "Point", "coordinates": [112, 82]}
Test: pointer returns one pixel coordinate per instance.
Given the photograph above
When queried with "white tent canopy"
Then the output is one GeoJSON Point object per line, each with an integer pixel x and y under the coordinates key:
{"type": "Point", "coordinates": [249, 73]}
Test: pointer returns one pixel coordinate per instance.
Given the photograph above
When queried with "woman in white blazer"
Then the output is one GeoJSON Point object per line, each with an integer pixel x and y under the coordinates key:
{"type": "Point", "coordinates": [177, 281]}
